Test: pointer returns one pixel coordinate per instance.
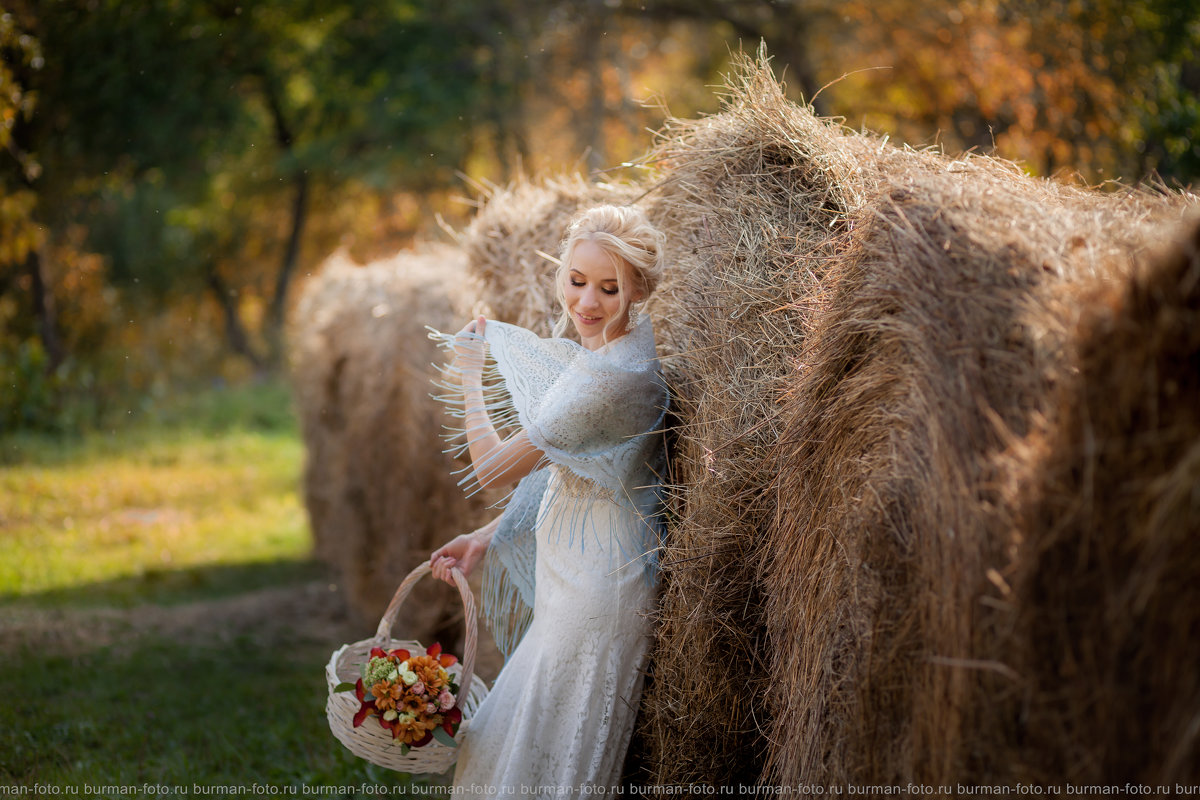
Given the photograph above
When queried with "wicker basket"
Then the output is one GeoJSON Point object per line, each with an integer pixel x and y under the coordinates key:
{"type": "Point", "coordinates": [372, 741]}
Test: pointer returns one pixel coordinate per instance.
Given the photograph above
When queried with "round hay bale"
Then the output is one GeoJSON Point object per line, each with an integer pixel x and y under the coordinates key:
{"type": "Point", "coordinates": [748, 199]}
{"type": "Point", "coordinates": [1104, 591]}
{"type": "Point", "coordinates": [379, 490]}
{"type": "Point", "coordinates": [853, 333]}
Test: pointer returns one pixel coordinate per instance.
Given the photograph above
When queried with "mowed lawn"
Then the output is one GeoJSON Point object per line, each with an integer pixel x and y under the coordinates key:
{"type": "Point", "coordinates": [163, 625]}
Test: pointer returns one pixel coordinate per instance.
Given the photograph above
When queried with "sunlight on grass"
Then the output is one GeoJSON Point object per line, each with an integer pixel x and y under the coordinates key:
{"type": "Point", "coordinates": [182, 503]}
{"type": "Point", "coordinates": [165, 495]}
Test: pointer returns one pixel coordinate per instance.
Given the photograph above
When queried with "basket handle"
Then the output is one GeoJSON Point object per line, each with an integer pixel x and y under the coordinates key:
{"type": "Point", "coordinates": [384, 631]}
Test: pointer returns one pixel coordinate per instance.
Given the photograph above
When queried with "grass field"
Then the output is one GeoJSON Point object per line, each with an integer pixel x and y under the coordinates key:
{"type": "Point", "coordinates": [163, 626]}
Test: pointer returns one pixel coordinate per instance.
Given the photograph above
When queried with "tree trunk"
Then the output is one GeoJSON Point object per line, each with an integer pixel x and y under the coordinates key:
{"type": "Point", "coordinates": [235, 332]}
{"type": "Point", "coordinates": [285, 139]}
{"type": "Point", "coordinates": [592, 52]}
{"type": "Point", "coordinates": [291, 256]}
{"type": "Point", "coordinates": [43, 311]}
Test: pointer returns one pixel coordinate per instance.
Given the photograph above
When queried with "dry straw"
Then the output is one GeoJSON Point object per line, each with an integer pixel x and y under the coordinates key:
{"type": "Point", "coordinates": [754, 201]}
{"type": "Point", "coordinates": [859, 331]}
{"type": "Point", "coordinates": [890, 552]}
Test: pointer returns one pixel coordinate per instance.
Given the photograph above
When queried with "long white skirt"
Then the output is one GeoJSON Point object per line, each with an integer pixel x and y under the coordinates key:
{"type": "Point", "coordinates": [561, 713]}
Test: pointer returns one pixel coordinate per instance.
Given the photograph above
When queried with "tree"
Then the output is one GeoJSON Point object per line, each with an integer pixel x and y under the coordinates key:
{"type": "Point", "coordinates": [20, 235]}
{"type": "Point", "coordinates": [191, 137]}
{"type": "Point", "coordinates": [1093, 86]}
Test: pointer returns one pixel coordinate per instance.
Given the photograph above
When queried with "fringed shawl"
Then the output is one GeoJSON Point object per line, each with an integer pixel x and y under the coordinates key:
{"type": "Point", "coordinates": [596, 414]}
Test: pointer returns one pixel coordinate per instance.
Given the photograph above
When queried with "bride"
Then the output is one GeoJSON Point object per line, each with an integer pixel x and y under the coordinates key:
{"type": "Point", "coordinates": [570, 568]}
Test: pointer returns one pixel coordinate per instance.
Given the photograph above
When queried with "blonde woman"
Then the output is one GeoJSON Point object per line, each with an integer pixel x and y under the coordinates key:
{"type": "Point", "coordinates": [570, 564]}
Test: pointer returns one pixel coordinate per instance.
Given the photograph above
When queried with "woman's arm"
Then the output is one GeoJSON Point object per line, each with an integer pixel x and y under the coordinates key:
{"type": "Point", "coordinates": [463, 551]}
{"type": "Point", "coordinates": [497, 462]}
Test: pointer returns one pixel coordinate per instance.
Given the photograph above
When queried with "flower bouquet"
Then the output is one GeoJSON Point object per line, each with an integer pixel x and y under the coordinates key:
{"type": "Point", "coordinates": [414, 697]}
{"type": "Point", "coordinates": [422, 699]}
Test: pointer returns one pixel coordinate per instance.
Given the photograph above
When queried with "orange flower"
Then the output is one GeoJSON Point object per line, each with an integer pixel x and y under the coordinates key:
{"type": "Point", "coordinates": [413, 730]}
{"type": "Point", "coordinates": [386, 695]}
{"type": "Point", "coordinates": [410, 703]}
{"type": "Point", "coordinates": [430, 672]}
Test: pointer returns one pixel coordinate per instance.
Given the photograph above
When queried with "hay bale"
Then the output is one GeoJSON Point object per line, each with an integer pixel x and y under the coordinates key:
{"type": "Point", "coordinates": [1107, 605]}
{"type": "Point", "coordinates": [854, 332]}
{"type": "Point", "coordinates": [378, 488]}
{"type": "Point", "coordinates": [749, 200]}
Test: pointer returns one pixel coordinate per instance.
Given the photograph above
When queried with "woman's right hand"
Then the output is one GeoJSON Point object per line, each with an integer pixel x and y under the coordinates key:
{"type": "Point", "coordinates": [468, 344]}
{"type": "Point", "coordinates": [463, 551]}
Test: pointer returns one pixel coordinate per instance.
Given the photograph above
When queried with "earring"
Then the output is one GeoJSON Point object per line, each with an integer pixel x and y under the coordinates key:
{"type": "Point", "coordinates": [631, 318]}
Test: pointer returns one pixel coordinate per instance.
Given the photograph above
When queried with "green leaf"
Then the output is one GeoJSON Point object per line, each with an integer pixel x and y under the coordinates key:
{"type": "Point", "coordinates": [344, 687]}
{"type": "Point", "coordinates": [404, 749]}
{"type": "Point", "coordinates": [440, 734]}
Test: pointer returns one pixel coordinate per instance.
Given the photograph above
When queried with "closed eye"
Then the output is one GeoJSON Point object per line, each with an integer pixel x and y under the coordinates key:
{"type": "Point", "coordinates": [609, 291]}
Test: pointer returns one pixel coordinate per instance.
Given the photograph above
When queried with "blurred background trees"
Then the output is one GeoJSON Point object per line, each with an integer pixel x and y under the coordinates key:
{"type": "Point", "coordinates": [170, 170]}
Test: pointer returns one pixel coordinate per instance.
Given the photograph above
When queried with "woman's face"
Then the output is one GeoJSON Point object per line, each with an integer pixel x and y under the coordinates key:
{"type": "Point", "coordinates": [592, 294]}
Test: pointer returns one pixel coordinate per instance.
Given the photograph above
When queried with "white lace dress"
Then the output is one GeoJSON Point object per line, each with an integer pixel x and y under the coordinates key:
{"type": "Point", "coordinates": [561, 713]}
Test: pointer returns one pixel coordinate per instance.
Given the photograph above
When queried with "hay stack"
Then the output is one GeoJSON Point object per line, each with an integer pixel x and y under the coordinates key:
{"type": "Point", "coordinates": [1107, 604]}
{"type": "Point", "coordinates": [754, 202]}
{"type": "Point", "coordinates": [379, 490]}
{"type": "Point", "coordinates": [855, 332]}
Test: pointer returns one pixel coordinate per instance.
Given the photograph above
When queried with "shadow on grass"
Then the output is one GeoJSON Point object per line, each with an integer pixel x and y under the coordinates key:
{"type": "Point", "coordinates": [240, 706]}
{"type": "Point", "coordinates": [176, 586]}
{"type": "Point", "coordinates": [153, 711]}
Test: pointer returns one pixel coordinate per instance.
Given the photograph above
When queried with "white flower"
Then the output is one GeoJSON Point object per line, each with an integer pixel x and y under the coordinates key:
{"type": "Point", "coordinates": [407, 675]}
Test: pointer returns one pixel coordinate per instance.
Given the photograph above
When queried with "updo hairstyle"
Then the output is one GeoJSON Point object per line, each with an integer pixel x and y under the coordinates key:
{"type": "Point", "coordinates": [623, 232]}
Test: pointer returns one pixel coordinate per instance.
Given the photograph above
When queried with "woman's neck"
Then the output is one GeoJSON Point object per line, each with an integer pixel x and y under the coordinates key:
{"type": "Point", "coordinates": [598, 342]}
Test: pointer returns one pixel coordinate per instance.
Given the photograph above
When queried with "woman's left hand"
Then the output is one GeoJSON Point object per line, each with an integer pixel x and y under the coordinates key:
{"type": "Point", "coordinates": [463, 551]}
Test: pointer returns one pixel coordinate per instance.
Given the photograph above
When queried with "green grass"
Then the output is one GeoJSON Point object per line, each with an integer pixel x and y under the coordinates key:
{"type": "Point", "coordinates": [182, 509]}
{"type": "Point", "coordinates": [152, 711]}
{"type": "Point", "coordinates": [172, 504]}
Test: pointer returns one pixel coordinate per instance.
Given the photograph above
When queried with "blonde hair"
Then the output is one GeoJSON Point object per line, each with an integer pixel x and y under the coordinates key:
{"type": "Point", "coordinates": [626, 234]}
